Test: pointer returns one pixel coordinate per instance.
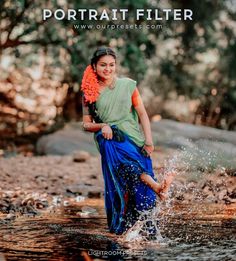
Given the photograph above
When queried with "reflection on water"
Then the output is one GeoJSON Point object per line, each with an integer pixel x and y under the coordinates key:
{"type": "Point", "coordinates": [187, 232]}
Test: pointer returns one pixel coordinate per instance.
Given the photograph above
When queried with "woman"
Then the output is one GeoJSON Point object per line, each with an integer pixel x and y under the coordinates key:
{"type": "Point", "coordinates": [112, 107]}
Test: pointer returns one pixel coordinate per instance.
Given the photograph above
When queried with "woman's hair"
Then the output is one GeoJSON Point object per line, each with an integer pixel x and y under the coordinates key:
{"type": "Point", "coordinates": [101, 51]}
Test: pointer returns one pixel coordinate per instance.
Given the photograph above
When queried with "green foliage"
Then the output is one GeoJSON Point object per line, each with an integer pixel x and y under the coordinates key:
{"type": "Point", "coordinates": [184, 66]}
{"type": "Point", "coordinates": [210, 36]}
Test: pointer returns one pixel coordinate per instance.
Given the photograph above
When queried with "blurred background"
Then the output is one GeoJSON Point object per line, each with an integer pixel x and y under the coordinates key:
{"type": "Point", "coordinates": [186, 74]}
{"type": "Point", "coordinates": [185, 70]}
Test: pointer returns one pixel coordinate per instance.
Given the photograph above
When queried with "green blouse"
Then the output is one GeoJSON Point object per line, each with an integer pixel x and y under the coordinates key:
{"type": "Point", "coordinates": [114, 107]}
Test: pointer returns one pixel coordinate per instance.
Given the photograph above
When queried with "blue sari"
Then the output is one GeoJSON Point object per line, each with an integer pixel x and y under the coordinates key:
{"type": "Point", "coordinates": [126, 196]}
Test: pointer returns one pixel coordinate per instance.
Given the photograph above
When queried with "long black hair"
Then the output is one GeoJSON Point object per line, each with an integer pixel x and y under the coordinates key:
{"type": "Point", "coordinates": [101, 51]}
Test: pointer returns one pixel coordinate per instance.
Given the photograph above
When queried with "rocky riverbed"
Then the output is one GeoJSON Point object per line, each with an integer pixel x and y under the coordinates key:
{"type": "Point", "coordinates": [31, 185]}
{"type": "Point", "coordinates": [52, 208]}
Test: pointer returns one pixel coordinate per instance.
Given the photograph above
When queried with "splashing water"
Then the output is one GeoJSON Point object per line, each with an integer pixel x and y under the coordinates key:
{"type": "Point", "coordinates": [144, 231]}
{"type": "Point", "coordinates": [188, 170]}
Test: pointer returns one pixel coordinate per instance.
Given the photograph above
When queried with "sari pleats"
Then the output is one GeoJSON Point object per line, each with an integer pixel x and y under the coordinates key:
{"type": "Point", "coordinates": [126, 196]}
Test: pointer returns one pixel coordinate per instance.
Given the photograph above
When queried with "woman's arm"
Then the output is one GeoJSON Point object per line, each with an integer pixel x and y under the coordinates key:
{"type": "Point", "coordinates": [89, 125]}
{"type": "Point", "coordinates": [144, 120]}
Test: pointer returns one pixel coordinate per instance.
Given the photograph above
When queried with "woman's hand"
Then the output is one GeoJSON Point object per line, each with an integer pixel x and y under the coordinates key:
{"type": "Point", "coordinates": [107, 132]}
{"type": "Point", "coordinates": [149, 149]}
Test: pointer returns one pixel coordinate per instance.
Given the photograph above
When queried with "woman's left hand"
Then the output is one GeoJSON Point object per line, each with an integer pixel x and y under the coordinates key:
{"type": "Point", "coordinates": [149, 149]}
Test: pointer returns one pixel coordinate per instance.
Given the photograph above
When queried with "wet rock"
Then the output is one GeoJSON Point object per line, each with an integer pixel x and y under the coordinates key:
{"type": "Point", "coordinates": [40, 178]}
{"type": "Point", "coordinates": [94, 194]}
{"type": "Point", "coordinates": [4, 203]}
{"type": "Point", "coordinates": [79, 198]}
{"type": "Point", "coordinates": [208, 185]}
{"type": "Point", "coordinates": [13, 203]}
{"type": "Point", "coordinates": [28, 202]}
{"type": "Point", "coordinates": [232, 194]}
{"type": "Point", "coordinates": [81, 156]}
{"type": "Point", "coordinates": [180, 197]}
{"type": "Point", "coordinates": [41, 204]}
{"type": "Point", "coordinates": [2, 257]}
{"type": "Point", "coordinates": [211, 199]}
{"type": "Point", "coordinates": [89, 210]}
{"type": "Point", "coordinates": [231, 172]}
{"type": "Point", "coordinates": [10, 216]}
{"type": "Point", "coordinates": [82, 189]}
{"type": "Point", "coordinates": [66, 203]}
{"type": "Point", "coordinates": [227, 200]}
{"type": "Point", "coordinates": [212, 187]}
{"type": "Point", "coordinates": [222, 194]}
{"type": "Point", "coordinates": [207, 190]}
{"type": "Point", "coordinates": [56, 200]}
{"type": "Point", "coordinates": [30, 210]}
{"type": "Point", "coordinates": [81, 214]}
{"type": "Point", "coordinates": [72, 191]}
{"type": "Point", "coordinates": [66, 142]}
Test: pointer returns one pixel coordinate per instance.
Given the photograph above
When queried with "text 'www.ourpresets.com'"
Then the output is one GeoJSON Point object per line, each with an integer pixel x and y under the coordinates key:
{"type": "Point", "coordinates": [118, 27]}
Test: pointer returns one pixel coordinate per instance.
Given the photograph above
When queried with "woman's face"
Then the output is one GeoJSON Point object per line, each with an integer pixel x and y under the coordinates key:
{"type": "Point", "coordinates": [106, 67]}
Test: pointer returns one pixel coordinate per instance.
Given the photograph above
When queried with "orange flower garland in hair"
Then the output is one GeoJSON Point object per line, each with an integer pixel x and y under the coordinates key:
{"type": "Point", "coordinates": [90, 85]}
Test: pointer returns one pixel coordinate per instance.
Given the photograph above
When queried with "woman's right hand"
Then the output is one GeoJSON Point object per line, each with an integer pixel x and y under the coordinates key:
{"type": "Point", "coordinates": [149, 149]}
{"type": "Point", "coordinates": [107, 132]}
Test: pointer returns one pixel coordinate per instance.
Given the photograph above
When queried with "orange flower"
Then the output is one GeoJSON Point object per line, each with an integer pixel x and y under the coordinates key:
{"type": "Point", "coordinates": [90, 85]}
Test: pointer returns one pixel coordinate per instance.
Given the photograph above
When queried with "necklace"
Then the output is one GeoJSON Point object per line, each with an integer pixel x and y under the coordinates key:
{"type": "Point", "coordinates": [111, 85]}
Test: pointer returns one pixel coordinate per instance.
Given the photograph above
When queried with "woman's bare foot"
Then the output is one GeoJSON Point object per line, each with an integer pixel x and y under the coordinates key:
{"type": "Point", "coordinates": [158, 190]}
{"type": "Point", "coordinates": [148, 180]}
{"type": "Point", "coordinates": [165, 186]}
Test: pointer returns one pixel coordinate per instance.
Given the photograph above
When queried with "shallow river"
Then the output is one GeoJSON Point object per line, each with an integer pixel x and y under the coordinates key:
{"type": "Point", "coordinates": [79, 232]}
